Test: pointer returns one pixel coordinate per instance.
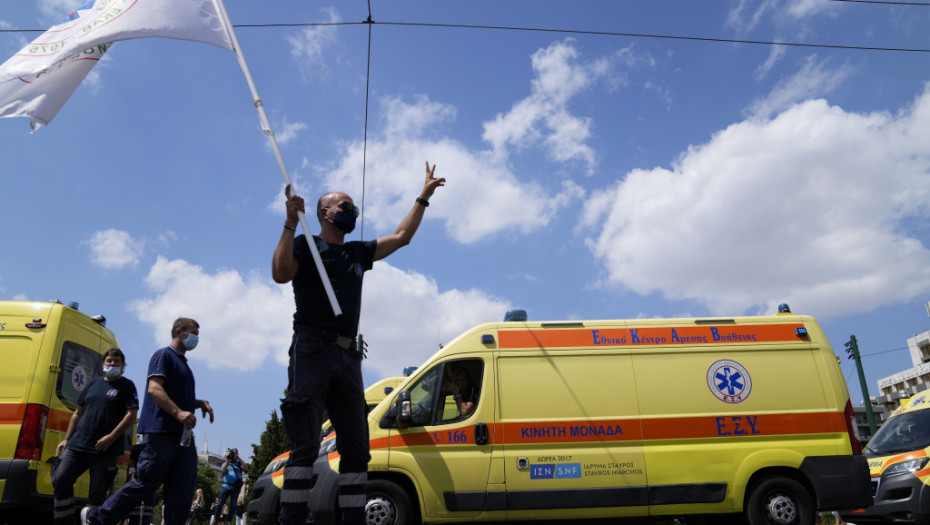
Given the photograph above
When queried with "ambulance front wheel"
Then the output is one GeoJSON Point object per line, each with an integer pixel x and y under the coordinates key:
{"type": "Point", "coordinates": [387, 504]}
{"type": "Point", "coordinates": [780, 501]}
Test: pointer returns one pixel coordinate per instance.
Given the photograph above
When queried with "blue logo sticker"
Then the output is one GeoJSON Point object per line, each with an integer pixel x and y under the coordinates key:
{"type": "Point", "coordinates": [78, 378]}
{"type": "Point", "coordinates": [567, 470]}
{"type": "Point", "coordinates": [542, 471]}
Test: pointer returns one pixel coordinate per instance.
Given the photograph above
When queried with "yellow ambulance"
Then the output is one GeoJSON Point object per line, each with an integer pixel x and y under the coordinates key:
{"type": "Point", "coordinates": [48, 353]}
{"type": "Point", "coordinates": [618, 418]}
{"type": "Point", "coordinates": [898, 457]}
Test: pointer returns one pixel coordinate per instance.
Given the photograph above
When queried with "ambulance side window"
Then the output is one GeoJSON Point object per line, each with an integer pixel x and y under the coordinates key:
{"type": "Point", "coordinates": [423, 398]}
{"type": "Point", "coordinates": [449, 392]}
{"type": "Point", "coordinates": [461, 389]}
{"type": "Point", "coordinates": [79, 366]}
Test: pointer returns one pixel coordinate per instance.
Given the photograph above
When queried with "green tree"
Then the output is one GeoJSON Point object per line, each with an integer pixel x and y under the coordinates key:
{"type": "Point", "coordinates": [208, 481]}
{"type": "Point", "coordinates": [272, 443]}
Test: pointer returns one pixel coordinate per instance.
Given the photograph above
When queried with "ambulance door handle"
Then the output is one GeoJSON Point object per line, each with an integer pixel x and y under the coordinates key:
{"type": "Point", "coordinates": [481, 434]}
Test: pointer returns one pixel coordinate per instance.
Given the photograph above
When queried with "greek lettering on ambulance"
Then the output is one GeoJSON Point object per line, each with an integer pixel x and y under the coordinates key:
{"type": "Point", "coordinates": [737, 425]}
{"type": "Point", "coordinates": [573, 431]}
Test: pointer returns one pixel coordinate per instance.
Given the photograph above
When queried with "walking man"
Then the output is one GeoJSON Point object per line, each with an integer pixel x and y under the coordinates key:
{"type": "Point", "coordinates": [169, 455]}
{"type": "Point", "coordinates": [96, 436]}
{"type": "Point", "coordinates": [324, 371]}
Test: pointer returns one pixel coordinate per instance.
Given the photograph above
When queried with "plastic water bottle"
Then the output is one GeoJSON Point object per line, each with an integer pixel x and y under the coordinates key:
{"type": "Point", "coordinates": [187, 437]}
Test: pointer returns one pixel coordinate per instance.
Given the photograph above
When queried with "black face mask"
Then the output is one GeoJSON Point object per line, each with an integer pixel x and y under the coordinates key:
{"type": "Point", "coordinates": [345, 220]}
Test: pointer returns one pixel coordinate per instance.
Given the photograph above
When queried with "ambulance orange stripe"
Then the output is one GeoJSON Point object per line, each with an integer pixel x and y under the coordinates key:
{"type": "Point", "coordinates": [904, 457]}
{"type": "Point", "coordinates": [58, 420]}
{"type": "Point", "coordinates": [12, 413]}
{"type": "Point", "coordinates": [572, 431]}
{"type": "Point", "coordinates": [717, 427]}
{"type": "Point", "coordinates": [733, 425]}
{"type": "Point", "coordinates": [667, 335]}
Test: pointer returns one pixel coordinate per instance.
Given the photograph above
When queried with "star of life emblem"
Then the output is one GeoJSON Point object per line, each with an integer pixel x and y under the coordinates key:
{"type": "Point", "coordinates": [729, 381]}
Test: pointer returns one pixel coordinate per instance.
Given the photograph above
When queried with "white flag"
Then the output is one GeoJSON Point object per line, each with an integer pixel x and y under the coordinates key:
{"type": "Point", "coordinates": [36, 81]}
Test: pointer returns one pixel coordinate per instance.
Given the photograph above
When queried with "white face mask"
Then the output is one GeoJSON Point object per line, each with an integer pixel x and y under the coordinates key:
{"type": "Point", "coordinates": [112, 371]}
{"type": "Point", "coordinates": [191, 342]}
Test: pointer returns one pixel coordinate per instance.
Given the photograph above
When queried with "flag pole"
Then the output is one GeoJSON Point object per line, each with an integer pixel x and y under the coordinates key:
{"type": "Point", "coordinates": [266, 127]}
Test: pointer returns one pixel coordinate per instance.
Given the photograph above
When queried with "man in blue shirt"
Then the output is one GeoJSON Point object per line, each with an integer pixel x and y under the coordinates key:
{"type": "Point", "coordinates": [232, 483]}
{"type": "Point", "coordinates": [95, 438]}
{"type": "Point", "coordinates": [167, 410]}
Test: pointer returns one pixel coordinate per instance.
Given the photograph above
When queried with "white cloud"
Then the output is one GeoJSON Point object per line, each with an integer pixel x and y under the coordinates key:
{"type": "Point", "coordinates": [478, 185]}
{"type": "Point", "coordinates": [114, 249]}
{"type": "Point", "coordinates": [746, 15]}
{"type": "Point", "coordinates": [807, 208]}
{"type": "Point", "coordinates": [55, 10]}
{"type": "Point", "coordinates": [776, 53]}
{"type": "Point", "coordinates": [807, 8]}
{"type": "Point", "coordinates": [166, 238]}
{"type": "Point", "coordinates": [289, 131]}
{"type": "Point", "coordinates": [405, 317]}
{"type": "Point", "coordinates": [814, 79]}
{"type": "Point", "coordinates": [308, 44]}
{"type": "Point", "coordinates": [247, 319]}
{"type": "Point", "coordinates": [242, 319]}
{"type": "Point", "coordinates": [543, 116]}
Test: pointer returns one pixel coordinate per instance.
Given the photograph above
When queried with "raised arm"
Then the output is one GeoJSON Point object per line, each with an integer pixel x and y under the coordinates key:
{"type": "Point", "coordinates": [284, 264]}
{"type": "Point", "coordinates": [404, 232]}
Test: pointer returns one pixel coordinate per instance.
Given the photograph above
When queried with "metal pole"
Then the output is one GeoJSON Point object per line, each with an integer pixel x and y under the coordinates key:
{"type": "Point", "coordinates": [854, 347]}
{"type": "Point", "coordinates": [266, 127]}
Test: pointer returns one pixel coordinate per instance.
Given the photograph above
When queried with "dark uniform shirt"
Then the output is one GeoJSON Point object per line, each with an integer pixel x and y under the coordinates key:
{"type": "Point", "coordinates": [169, 364]}
{"type": "Point", "coordinates": [103, 405]}
{"type": "Point", "coordinates": [346, 266]}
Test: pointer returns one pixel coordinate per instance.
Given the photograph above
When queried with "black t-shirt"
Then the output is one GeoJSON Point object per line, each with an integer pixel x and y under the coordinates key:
{"type": "Point", "coordinates": [346, 266]}
{"type": "Point", "coordinates": [103, 405]}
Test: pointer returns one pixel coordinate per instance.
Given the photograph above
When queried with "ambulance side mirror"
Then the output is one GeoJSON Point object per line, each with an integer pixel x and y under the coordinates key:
{"type": "Point", "coordinates": [404, 414]}
{"type": "Point", "coordinates": [389, 419]}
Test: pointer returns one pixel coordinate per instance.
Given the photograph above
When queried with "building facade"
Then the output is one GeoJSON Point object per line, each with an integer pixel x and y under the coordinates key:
{"type": "Point", "coordinates": [908, 382]}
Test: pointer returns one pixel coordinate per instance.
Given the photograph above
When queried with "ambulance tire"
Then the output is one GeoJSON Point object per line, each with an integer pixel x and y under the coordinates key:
{"type": "Point", "coordinates": [780, 501]}
{"type": "Point", "coordinates": [387, 504]}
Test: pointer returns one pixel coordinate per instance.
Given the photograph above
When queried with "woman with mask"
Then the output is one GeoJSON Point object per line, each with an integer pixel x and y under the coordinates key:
{"type": "Point", "coordinates": [95, 438]}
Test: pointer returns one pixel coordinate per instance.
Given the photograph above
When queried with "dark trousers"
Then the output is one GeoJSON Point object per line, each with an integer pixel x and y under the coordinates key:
{"type": "Point", "coordinates": [232, 494]}
{"type": "Point", "coordinates": [73, 464]}
{"type": "Point", "coordinates": [162, 461]}
{"type": "Point", "coordinates": [324, 376]}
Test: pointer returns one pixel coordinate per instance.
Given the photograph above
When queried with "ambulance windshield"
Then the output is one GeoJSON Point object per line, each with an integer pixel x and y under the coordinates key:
{"type": "Point", "coordinates": [902, 433]}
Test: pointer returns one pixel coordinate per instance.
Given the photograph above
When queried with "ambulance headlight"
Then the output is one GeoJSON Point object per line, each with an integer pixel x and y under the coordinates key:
{"type": "Point", "coordinates": [327, 448]}
{"type": "Point", "coordinates": [911, 465]}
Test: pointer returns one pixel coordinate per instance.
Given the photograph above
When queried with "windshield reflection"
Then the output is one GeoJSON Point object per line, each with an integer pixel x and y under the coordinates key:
{"type": "Point", "coordinates": [902, 433]}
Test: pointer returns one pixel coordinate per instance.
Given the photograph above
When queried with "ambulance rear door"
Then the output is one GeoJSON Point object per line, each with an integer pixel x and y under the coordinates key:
{"type": "Point", "coordinates": [570, 420]}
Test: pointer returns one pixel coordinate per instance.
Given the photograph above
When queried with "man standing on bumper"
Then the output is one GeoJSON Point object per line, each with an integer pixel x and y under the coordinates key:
{"type": "Point", "coordinates": [325, 369]}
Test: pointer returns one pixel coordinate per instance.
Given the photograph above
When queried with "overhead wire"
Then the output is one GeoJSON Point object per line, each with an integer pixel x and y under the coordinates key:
{"type": "Point", "coordinates": [848, 47]}
{"type": "Point", "coordinates": [884, 2]}
{"type": "Point", "coordinates": [370, 22]}
{"type": "Point", "coordinates": [661, 36]}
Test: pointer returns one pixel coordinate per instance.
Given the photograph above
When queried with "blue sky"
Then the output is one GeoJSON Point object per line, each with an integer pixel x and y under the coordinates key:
{"type": "Point", "coordinates": [589, 176]}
